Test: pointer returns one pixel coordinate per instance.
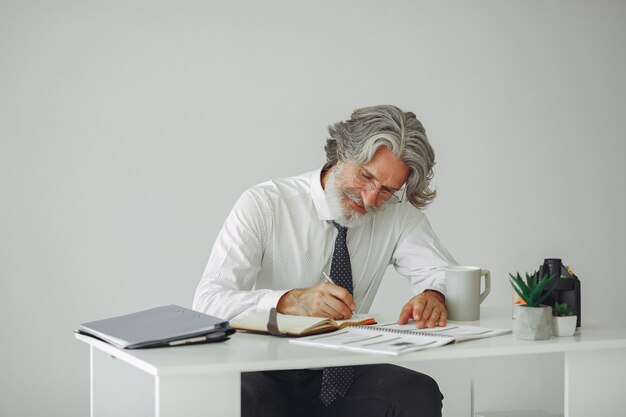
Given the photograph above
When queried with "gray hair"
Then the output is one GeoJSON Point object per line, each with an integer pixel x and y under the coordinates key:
{"type": "Point", "coordinates": [357, 139]}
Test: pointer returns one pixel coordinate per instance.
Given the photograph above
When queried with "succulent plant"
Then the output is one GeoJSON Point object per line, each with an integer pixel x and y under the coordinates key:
{"type": "Point", "coordinates": [535, 290]}
{"type": "Point", "coordinates": [562, 310]}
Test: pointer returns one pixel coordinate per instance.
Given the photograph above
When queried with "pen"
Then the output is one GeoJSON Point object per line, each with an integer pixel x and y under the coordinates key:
{"type": "Point", "coordinates": [330, 281]}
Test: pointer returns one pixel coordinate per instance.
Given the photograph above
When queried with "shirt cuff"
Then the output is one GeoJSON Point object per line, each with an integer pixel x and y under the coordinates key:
{"type": "Point", "coordinates": [436, 292]}
{"type": "Point", "coordinates": [438, 288]}
{"type": "Point", "coordinates": [270, 300]}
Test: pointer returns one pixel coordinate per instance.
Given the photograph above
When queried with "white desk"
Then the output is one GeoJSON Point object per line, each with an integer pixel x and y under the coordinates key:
{"type": "Point", "coordinates": [204, 380]}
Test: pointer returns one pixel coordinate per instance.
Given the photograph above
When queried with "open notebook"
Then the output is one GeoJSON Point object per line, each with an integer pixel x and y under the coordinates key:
{"type": "Point", "coordinates": [395, 339]}
{"type": "Point", "coordinates": [287, 325]}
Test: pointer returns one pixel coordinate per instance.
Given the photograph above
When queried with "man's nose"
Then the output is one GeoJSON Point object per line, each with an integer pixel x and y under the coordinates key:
{"type": "Point", "coordinates": [369, 197]}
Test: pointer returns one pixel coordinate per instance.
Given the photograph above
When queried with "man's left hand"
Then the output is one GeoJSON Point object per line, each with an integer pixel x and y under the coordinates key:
{"type": "Point", "coordinates": [428, 309]}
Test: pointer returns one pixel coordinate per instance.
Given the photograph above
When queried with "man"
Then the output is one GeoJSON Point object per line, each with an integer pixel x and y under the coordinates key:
{"type": "Point", "coordinates": [353, 217]}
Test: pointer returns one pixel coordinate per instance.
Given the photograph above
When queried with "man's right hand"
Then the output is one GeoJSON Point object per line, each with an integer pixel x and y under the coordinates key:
{"type": "Point", "coordinates": [323, 300]}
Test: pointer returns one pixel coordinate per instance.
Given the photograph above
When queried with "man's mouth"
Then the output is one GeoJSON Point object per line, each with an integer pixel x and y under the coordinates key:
{"type": "Point", "coordinates": [357, 206]}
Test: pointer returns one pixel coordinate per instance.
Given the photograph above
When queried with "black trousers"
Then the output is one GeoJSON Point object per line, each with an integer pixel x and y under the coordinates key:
{"type": "Point", "coordinates": [377, 390]}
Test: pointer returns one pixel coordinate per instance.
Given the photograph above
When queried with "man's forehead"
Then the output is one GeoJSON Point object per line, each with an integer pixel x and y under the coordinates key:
{"type": "Point", "coordinates": [385, 167]}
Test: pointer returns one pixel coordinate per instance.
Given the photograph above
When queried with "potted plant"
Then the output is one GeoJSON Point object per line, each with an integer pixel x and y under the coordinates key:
{"type": "Point", "coordinates": [563, 320]}
{"type": "Point", "coordinates": [532, 320]}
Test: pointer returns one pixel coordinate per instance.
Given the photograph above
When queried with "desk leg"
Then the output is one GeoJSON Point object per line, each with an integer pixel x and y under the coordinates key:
{"type": "Point", "coordinates": [202, 395]}
{"type": "Point", "coordinates": [121, 390]}
{"type": "Point", "coordinates": [594, 383]}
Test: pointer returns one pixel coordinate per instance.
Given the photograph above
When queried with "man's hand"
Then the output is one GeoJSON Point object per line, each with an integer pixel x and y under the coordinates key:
{"type": "Point", "coordinates": [323, 300]}
{"type": "Point", "coordinates": [428, 309]}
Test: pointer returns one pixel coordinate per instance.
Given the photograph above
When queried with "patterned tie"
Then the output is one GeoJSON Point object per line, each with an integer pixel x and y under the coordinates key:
{"type": "Point", "coordinates": [337, 380]}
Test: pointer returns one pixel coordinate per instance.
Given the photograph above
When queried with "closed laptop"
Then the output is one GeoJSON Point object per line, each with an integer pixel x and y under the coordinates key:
{"type": "Point", "coordinates": [161, 326]}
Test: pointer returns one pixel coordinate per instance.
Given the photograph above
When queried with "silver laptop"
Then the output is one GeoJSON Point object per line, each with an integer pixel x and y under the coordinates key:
{"type": "Point", "coordinates": [170, 325]}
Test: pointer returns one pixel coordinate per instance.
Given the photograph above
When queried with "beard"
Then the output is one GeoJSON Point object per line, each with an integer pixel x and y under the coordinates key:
{"type": "Point", "coordinates": [339, 197]}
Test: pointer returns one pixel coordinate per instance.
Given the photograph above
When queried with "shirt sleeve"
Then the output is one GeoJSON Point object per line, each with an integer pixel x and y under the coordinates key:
{"type": "Point", "coordinates": [419, 255]}
{"type": "Point", "coordinates": [227, 288]}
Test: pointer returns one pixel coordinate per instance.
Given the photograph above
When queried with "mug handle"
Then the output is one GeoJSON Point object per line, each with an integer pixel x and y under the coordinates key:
{"type": "Point", "coordinates": [485, 273]}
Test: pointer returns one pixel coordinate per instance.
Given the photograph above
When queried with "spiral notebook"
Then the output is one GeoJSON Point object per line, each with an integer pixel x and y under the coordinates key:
{"type": "Point", "coordinates": [395, 339]}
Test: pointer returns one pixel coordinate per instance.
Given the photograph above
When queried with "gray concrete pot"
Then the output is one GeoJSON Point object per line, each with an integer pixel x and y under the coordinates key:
{"type": "Point", "coordinates": [532, 323]}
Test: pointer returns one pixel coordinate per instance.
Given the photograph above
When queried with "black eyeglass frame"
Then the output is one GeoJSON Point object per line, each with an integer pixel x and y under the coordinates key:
{"type": "Point", "coordinates": [365, 184]}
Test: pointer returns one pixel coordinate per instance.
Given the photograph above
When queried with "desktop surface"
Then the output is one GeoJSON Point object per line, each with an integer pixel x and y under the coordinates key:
{"type": "Point", "coordinates": [246, 352]}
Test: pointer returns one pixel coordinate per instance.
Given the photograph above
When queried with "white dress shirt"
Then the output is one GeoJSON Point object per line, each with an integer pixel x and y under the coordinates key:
{"type": "Point", "coordinates": [279, 236]}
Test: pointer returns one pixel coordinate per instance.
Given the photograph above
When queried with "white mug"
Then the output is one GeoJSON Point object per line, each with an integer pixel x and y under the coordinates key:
{"type": "Point", "coordinates": [463, 296]}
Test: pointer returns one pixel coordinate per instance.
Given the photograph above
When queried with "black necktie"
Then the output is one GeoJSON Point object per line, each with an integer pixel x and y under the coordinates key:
{"type": "Point", "coordinates": [337, 380]}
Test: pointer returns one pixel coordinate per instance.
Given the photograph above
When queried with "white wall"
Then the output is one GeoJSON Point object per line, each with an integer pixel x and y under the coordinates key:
{"type": "Point", "coordinates": [128, 129]}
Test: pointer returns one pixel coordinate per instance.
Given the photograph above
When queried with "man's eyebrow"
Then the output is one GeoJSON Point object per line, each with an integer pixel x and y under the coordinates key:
{"type": "Point", "coordinates": [392, 189]}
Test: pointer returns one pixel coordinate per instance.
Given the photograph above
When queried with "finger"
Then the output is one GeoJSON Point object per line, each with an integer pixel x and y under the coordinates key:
{"type": "Point", "coordinates": [343, 295]}
{"type": "Point", "coordinates": [343, 312]}
{"type": "Point", "coordinates": [337, 299]}
{"type": "Point", "coordinates": [330, 312]}
{"type": "Point", "coordinates": [405, 314]}
{"type": "Point", "coordinates": [419, 303]}
{"type": "Point", "coordinates": [427, 312]}
{"type": "Point", "coordinates": [443, 318]}
{"type": "Point", "coordinates": [433, 320]}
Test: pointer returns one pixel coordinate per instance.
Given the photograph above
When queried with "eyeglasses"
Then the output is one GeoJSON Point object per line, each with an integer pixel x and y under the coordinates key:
{"type": "Point", "coordinates": [364, 182]}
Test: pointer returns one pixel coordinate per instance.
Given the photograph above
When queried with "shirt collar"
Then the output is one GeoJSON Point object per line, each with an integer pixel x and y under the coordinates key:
{"type": "Point", "coordinates": [319, 196]}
